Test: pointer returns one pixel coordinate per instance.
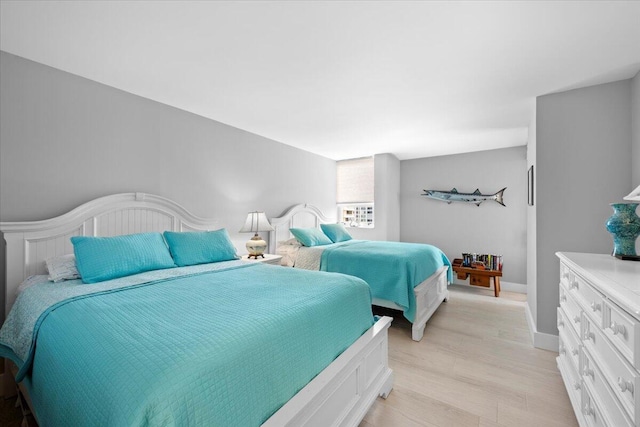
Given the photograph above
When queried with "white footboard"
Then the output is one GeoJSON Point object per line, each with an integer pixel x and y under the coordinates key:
{"type": "Point", "coordinates": [342, 394]}
{"type": "Point", "coordinates": [429, 295]}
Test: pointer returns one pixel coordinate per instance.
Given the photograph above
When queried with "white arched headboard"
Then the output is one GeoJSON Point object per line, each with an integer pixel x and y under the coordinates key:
{"type": "Point", "coordinates": [297, 216]}
{"type": "Point", "coordinates": [30, 243]}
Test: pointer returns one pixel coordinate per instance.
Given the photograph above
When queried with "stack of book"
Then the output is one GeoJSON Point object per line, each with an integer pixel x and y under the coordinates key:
{"type": "Point", "coordinates": [490, 261]}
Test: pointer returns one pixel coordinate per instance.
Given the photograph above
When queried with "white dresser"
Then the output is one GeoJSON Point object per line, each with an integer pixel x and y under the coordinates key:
{"type": "Point", "coordinates": [599, 338]}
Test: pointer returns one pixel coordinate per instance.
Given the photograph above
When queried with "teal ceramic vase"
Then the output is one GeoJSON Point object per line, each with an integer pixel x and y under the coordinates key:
{"type": "Point", "coordinates": [624, 226]}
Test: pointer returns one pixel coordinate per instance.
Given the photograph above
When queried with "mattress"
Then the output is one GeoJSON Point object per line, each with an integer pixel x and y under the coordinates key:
{"type": "Point", "coordinates": [225, 344]}
{"type": "Point", "coordinates": [392, 269]}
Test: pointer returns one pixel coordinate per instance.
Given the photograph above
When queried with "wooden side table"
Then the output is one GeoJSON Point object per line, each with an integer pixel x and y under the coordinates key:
{"type": "Point", "coordinates": [478, 277]}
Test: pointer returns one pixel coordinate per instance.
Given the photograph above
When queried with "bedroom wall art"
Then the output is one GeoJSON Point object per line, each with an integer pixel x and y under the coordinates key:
{"type": "Point", "coordinates": [455, 196]}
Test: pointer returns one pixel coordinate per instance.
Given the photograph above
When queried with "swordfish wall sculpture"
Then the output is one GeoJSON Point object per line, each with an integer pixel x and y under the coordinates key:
{"type": "Point", "coordinates": [454, 196]}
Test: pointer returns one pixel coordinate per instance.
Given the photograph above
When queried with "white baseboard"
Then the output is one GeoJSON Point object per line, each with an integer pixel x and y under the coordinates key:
{"type": "Point", "coordinates": [539, 339]}
{"type": "Point", "coordinates": [504, 286]}
{"type": "Point", "coordinates": [513, 287]}
{"type": "Point", "coordinates": [530, 322]}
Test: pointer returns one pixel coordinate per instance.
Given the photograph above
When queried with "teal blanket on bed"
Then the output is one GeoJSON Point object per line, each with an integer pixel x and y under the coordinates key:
{"type": "Point", "coordinates": [222, 348]}
{"type": "Point", "coordinates": [392, 269]}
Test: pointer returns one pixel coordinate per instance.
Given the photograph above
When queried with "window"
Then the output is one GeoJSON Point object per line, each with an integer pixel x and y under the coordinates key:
{"type": "Point", "coordinates": [356, 215]}
{"type": "Point", "coordinates": [355, 192]}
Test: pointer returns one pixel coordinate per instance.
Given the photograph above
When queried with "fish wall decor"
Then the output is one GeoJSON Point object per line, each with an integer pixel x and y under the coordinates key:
{"type": "Point", "coordinates": [454, 196]}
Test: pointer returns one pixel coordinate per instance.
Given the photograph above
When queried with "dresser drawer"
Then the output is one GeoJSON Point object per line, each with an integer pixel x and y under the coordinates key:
{"type": "Point", "coordinates": [563, 322]}
{"type": "Point", "coordinates": [589, 299]}
{"type": "Point", "coordinates": [573, 383]}
{"type": "Point", "coordinates": [606, 400]}
{"type": "Point", "coordinates": [570, 344]}
{"type": "Point", "coordinates": [622, 378]}
{"type": "Point", "coordinates": [565, 274]}
{"type": "Point", "coordinates": [571, 309]}
{"type": "Point", "coordinates": [591, 410]}
{"type": "Point", "coordinates": [623, 331]}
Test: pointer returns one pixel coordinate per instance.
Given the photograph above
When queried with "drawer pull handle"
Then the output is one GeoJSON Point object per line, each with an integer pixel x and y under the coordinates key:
{"type": "Point", "coordinates": [588, 372]}
{"type": "Point", "coordinates": [595, 306]}
{"type": "Point", "coordinates": [560, 324]}
{"type": "Point", "coordinates": [576, 319]}
{"type": "Point", "coordinates": [577, 385]}
{"type": "Point", "coordinates": [575, 352]}
{"type": "Point", "coordinates": [562, 350]}
{"type": "Point", "coordinates": [565, 275]}
{"type": "Point", "coordinates": [588, 411]}
{"type": "Point", "coordinates": [618, 329]}
{"type": "Point", "coordinates": [573, 285]}
{"type": "Point", "coordinates": [590, 336]}
{"type": "Point", "coordinates": [625, 385]}
{"type": "Point", "coordinates": [563, 298]}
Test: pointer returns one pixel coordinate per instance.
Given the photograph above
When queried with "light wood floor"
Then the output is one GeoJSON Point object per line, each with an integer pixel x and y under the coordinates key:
{"type": "Point", "coordinates": [475, 366]}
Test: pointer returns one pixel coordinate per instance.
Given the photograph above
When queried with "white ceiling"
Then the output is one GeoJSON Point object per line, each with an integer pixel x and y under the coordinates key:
{"type": "Point", "coordinates": [341, 79]}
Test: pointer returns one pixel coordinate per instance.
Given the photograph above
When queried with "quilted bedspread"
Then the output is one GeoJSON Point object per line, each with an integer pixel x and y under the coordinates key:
{"type": "Point", "coordinates": [225, 347]}
{"type": "Point", "coordinates": [392, 269]}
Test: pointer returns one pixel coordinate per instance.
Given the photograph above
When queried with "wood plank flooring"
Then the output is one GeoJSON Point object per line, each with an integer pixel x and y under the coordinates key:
{"type": "Point", "coordinates": [475, 366]}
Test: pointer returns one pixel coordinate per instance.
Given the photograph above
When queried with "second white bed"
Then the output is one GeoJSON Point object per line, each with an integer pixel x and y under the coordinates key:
{"type": "Point", "coordinates": [429, 293]}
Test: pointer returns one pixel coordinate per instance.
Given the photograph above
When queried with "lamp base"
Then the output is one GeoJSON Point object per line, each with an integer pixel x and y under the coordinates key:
{"type": "Point", "coordinates": [256, 247]}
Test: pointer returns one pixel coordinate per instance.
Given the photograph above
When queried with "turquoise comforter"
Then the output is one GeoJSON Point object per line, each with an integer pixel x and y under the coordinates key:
{"type": "Point", "coordinates": [392, 269]}
{"type": "Point", "coordinates": [226, 347]}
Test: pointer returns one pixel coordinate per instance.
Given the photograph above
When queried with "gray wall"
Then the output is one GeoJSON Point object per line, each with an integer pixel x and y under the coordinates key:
{"type": "Point", "coordinates": [462, 227]}
{"type": "Point", "coordinates": [386, 201]}
{"type": "Point", "coordinates": [583, 162]}
{"type": "Point", "coordinates": [65, 140]}
{"type": "Point", "coordinates": [635, 130]}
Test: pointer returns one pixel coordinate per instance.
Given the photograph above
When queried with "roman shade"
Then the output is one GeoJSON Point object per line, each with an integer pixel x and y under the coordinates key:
{"type": "Point", "coordinates": [355, 180]}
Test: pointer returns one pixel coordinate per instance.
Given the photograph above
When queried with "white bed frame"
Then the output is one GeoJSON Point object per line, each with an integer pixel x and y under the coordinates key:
{"type": "Point", "coordinates": [339, 396]}
{"type": "Point", "coordinates": [429, 294]}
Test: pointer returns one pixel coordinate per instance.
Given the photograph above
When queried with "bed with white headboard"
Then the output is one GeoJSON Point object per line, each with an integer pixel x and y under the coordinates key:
{"type": "Point", "coordinates": [30, 243]}
{"type": "Point", "coordinates": [429, 293]}
{"type": "Point", "coordinates": [301, 216]}
{"type": "Point", "coordinates": [339, 395]}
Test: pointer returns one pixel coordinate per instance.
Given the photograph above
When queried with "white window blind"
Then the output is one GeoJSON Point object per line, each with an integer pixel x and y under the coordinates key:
{"type": "Point", "coordinates": [355, 180]}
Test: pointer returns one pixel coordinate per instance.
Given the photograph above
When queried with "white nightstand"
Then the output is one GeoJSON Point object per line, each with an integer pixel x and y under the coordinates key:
{"type": "Point", "coordinates": [268, 259]}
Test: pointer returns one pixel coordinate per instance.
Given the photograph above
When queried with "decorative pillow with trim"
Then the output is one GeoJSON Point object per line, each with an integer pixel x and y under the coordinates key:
{"type": "Point", "coordinates": [200, 247]}
{"type": "Point", "coordinates": [336, 232]}
{"type": "Point", "coordinates": [310, 236]}
{"type": "Point", "coordinates": [105, 258]}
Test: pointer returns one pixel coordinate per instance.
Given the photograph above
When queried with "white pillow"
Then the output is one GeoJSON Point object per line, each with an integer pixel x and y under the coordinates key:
{"type": "Point", "coordinates": [288, 249]}
{"type": "Point", "coordinates": [290, 242]}
{"type": "Point", "coordinates": [62, 268]}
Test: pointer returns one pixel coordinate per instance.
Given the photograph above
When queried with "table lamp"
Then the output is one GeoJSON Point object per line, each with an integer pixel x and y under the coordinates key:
{"type": "Point", "coordinates": [256, 221]}
{"type": "Point", "coordinates": [634, 196]}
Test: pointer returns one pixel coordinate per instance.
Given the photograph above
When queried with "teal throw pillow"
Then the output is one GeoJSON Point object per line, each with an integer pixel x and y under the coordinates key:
{"type": "Point", "coordinates": [336, 232]}
{"type": "Point", "coordinates": [310, 236]}
{"type": "Point", "coordinates": [105, 258]}
{"type": "Point", "coordinates": [200, 247]}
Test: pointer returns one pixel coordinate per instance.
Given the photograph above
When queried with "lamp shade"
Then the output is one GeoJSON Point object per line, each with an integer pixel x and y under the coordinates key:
{"type": "Point", "coordinates": [634, 195]}
{"type": "Point", "coordinates": [256, 221]}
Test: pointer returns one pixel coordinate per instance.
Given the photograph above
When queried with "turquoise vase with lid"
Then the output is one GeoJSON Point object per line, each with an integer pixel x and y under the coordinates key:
{"type": "Point", "coordinates": [624, 226]}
